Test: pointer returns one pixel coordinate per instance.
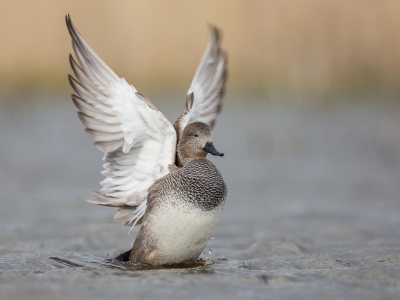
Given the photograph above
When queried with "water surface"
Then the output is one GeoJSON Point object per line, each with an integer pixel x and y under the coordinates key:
{"type": "Point", "coordinates": [313, 209]}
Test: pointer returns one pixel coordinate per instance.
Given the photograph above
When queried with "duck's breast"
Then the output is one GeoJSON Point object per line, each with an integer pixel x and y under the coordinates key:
{"type": "Point", "coordinates": [180, 232]}
{"type": "Point", "coordinates": [183, 212]}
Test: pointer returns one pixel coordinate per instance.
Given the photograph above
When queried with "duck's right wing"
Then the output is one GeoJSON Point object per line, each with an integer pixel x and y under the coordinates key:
{"type": "Point", "coordinates": [137, 140]}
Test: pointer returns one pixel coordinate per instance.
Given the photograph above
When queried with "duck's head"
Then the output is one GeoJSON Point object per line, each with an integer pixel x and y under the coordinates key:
{"type": "Point", "coordinates": [196, 142]}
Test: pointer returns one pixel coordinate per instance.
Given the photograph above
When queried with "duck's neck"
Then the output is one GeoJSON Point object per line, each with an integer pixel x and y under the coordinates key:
{"type": "Point", "coordinates": [184, 161]}
{"type": "Point", "coordinates": [185, 156]}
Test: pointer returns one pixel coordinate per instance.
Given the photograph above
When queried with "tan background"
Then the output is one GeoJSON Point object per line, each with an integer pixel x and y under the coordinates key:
{"type": "Point", "coordinates": [273, 46]}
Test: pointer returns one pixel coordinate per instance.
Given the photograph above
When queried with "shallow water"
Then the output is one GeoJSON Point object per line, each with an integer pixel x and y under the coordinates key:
{"type": "Point", "coordinates": [313, 209]}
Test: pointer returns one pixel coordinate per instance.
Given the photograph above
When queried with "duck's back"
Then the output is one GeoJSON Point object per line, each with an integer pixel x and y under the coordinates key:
{"type": "Point", "coordinates": [184, 208]}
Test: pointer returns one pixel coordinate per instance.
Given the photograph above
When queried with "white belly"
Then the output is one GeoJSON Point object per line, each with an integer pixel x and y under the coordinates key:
{"type": "Point", "coordinates": [181, 232]}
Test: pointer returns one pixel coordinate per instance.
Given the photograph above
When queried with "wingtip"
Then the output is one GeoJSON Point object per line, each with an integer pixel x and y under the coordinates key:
{"type": "Point", "coordinates": [69, 24]}
{"type": "Point", "coordinates": [68, 20]}
{"type": "Point", "coordinates": [215, 32]}
{"type": "Point", "coordinates": [74, 33]}
{"type": "Point", "coordinates": [212, 27]}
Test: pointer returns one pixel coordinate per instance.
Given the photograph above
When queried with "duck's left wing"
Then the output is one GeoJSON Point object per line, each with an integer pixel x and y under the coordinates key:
{"type": "Point", "coordinates": [137, 140]}
{"type": "Point", "coordinates": [208, 85]}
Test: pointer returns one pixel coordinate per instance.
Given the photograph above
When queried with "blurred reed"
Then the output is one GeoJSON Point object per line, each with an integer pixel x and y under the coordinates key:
{"type": "Point", "coordinates": [274, 46]}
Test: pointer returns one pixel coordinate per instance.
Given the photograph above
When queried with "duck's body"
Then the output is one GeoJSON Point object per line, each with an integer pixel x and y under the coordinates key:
{"type": "Point", "coordinates": [183, 210]}
{"type": "Point", "coordinates": [156, 173]}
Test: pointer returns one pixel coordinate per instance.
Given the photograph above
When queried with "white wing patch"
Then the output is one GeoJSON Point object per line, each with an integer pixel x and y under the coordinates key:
{"type": "Point", "coordinates": [137, 140]}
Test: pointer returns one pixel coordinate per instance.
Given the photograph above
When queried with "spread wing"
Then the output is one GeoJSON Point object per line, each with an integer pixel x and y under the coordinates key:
{"type": "Point", "coordinates": [208, 84]}
{"type": "Point", "coordinates": [137, 140]}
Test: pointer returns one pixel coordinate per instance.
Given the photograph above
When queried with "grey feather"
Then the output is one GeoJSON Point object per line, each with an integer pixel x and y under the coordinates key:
{"type": "Point", "coordinates": [95, 124]}
{"type": "Point", "coordinates": [208, 84]}
{"type": "Point", "coordinates": [102, 136]}
{"type": "Point", "coordinates": [109, 146]}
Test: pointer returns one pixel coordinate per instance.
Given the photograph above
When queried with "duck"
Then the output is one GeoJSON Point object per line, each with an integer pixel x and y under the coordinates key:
{"type": "Point", "coordinates": [157, 174]}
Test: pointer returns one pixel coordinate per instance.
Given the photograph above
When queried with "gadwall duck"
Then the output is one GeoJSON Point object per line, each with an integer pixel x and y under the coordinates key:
{"type": "Point", "coordinates": [156, 173]}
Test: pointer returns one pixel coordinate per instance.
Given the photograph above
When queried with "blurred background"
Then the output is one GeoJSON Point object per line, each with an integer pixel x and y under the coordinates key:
{"type": "Point", "coordinates": [275, 47]}
{"type": "Point", "coordinates": [310, 130]}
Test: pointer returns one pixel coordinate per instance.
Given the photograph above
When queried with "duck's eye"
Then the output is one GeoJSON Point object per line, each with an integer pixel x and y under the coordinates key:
{"type": "Point", "coordinates": [196, 135]}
